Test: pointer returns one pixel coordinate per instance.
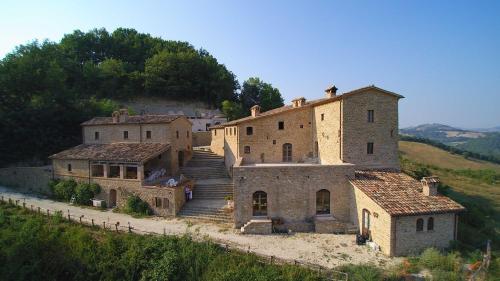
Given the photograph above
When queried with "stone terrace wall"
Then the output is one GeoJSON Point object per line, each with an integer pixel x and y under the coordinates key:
{"type": "Point", "coordinates": [27, 179]}
{"type": "Point", "coordinates": [291, 192]}
{"type": "Point", "coordinates": [202, 138]}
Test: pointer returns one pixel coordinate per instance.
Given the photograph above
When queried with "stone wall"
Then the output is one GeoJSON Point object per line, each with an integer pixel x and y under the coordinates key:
{"type": "Point", "coordinates": [409, 241]}
{"type": "Point", "coordinates": [182, 128]}
{"type": "Point", "coordinates": [160, 133]}
{"type": "Point", "coordinates": [27, 179]}
{"type": "Point", "coordinates": [383, 132]}
{"type": "Point", "coordinates": [291, 192]}
{"type": "Point", "coordinates": [327, 132]}
{"type": "Point", "coordinates": [202, 138]}
{"type": "Point", "coordinates": [217, 141]}
{"type": "Point", "coordinates": [231, 152]}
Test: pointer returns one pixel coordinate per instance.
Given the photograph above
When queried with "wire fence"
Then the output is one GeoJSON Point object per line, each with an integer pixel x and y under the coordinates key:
{"type": "Point", "coordinates": [327, 273]}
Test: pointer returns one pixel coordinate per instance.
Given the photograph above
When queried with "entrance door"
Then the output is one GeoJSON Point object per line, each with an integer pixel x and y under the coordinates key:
{"type": "Point", "coordinates": [366, 223]}
{"type": "Point", "coordinates": [287, 152]}
{"type": "Point", "coordinates": [112, 198]}
{"type": "Point", "coordinates": [180, 158]}
{"type": "Point", "coordinates": [259, 199]}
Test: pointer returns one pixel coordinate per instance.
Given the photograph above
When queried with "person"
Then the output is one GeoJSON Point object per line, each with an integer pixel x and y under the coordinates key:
{"type": "Point", "coordinates": [186, 192]}
{"type": "Point", "coordinates": [190, 193]}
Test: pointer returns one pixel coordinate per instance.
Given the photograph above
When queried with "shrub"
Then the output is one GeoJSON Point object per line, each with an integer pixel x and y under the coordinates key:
{"type": "Point", "coordinates": [136, 206]}
{"type": "Point", "coordinates": [363, 272]}
{"type": "Point", "coordinates": [84, 192]}
{"type": "Point", "coordinates": [433, 259]}
{"type": "Point", "coordinates": [64, 189]}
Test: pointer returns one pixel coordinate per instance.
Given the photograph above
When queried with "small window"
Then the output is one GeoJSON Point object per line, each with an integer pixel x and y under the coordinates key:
{"type": "Point", "coordinates": [249, 131]}
{"type": "Point", "coordinates": [420, 225]}
{"type": "Point", "coordinates": [159, 156]}
{"type": "Point", "coordinates": [187, 134]}
{"type": "Point", "coordinates": [322, 116]}
{"type": "Point", "coordinates": [281, 125]}
{"type": "Point", "coordinates": [177, 134]}
{"type": "Point", "coordinates": [230, 131]}
{"type": "Point", "coordinates": [274, 141]}
{"type": "Point", "coordinates": [301, 126]}
{"type": "Point", "coordinates": [369, 148]}
{"type": "Point", "coordinates": [97, 170]}
{"type": "Point", "coordinates": [370, 116]}
{"type": "Point", "coordinates": [158, 202]}
{"type": "Point", "coordinates": [131, 172]}
{"type": "Point", "coordinates": [234, 131]}
{"type": "Point", "coordinates": [96, 135]}
{"type": "Point", "coordinates": [247, 149]}
{"type": "Point", "coordinates": [148, 134]}
{"type": "Point", "coordinates": [114, 171]}
{"type": "Point", "coordinates": [430, 224]}
{"type": "Point", "coordinates": [125, 135]}
{"type": "Point", "coordinates": [69, 167]}
{"type": "Point", "coordinates": [215, 132]}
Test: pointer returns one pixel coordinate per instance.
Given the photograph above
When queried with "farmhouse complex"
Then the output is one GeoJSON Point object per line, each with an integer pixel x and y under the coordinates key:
{"type": "Point", "coordinates": [329, 165]}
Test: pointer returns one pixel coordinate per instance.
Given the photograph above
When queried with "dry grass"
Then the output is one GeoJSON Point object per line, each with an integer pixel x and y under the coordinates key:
{"type": "Point", "coordinates": [426, 154]}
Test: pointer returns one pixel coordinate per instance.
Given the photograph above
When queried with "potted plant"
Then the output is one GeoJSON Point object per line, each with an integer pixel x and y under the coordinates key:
{"type": "Point", "coordinates": [230, 202]}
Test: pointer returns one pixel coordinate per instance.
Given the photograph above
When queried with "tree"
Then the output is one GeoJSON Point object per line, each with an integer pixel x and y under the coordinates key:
{"type": "Point", "coordinates": [232, 110]}
{"type": "Point", "coordinates": [255, 91]}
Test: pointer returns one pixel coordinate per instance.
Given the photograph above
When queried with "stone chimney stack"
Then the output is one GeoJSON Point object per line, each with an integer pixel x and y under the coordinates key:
{"type": "Point", "coordinates": [255, 110]}
{"type": "Point", "coordinates": [298, 102]}
{"type": "Point", "coordinates": [116, 116]}
{"type": "Point", "coordinates": [331, 91]}
{"type": "Point", "coordinates": [429, 186]}
{"type": "Point", "coordinates": [123, 115]}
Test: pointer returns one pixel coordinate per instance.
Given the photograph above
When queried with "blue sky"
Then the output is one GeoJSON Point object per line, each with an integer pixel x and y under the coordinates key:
{"type": "Point", "coordinates": [443, 56]}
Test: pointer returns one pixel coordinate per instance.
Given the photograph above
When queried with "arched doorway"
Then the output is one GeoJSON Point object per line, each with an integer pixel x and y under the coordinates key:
{"type": "Point", "coordinates": [365, 229]}
{"type": "Point", "coordinates": [323, 202]}
{"type": "Point", "coordinates": [287, 152]}
{"type": "Point", "coordinates": [259, 202]}
{"type": "Point", "coordinates": [180, 158]}
{"type": "Point", "coordinates": [112, 198]}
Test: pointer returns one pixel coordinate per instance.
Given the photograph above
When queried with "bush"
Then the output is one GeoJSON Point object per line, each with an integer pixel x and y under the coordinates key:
{"type": "Point", "coordinates": [364, 272]}
{"type": "Point", "coordinates": [64, 189]}
{"type": "Point", "coordinates": [433, 259]}
{"type": "Point", "coordinates": [136, 206]}
{"type": "Point", "coordinates": [84, 192]}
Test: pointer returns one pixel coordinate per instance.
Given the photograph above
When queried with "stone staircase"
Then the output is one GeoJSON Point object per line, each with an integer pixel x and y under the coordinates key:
{"type": "Point", "coordinates": [212, 184]}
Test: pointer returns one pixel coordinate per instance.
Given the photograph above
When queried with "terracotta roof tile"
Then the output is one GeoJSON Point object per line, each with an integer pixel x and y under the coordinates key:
{"type": "Point", "coordinates": [400, 194]}
{"type": "Point", "coordinates": [135, 119]}
{"type": "Point", "coordinates": [126, 152]}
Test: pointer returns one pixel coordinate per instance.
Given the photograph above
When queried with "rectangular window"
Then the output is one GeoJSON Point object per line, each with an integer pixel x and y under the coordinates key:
{"type": "Point", "coordinates": [215, 132]}
{"type": "Point", "coordinates": [69, 168]}
{"type": "Point", "coordinates": [371, 117]}
{"type": "Point", "coordinates": [369, 148]}
{"type": "Point", "coordinates": [187, 134]}
{"type": "Point", "coordinates": [274, 141]}
{"type": "Point", "coordinates": [97, 170]}
{"type": "Point", "coordinates": [281, 125]}
{"type": "Point", "coordinates": [131, 172]}
{"type": "Point", "coordinates": [230, 131]}
{"type": "Point", "coordinates": [249, 131]}
{"type": "Point", "coordinates": [158, 202]}
{"type": "Point", "coordinates": [125, 135]}
{"type": "Point", "coordinates": [96, 135]}
{"type": "Point", "coordinates": [301, 126]}
{"type": "Point", "coordinates": [177, 134]}
{"type": "Point", "coordinates": [247, 149]}
{"type": "Point", "coordinates": [148, 134]}
{"type": "Point", "coordinates": [322, 116]}
{"type": "Point", "coordinates": [114, 171]}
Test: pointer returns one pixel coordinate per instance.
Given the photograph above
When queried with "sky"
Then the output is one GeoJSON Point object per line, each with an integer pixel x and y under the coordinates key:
{"type": "Point", "coordinates": [443, 56]}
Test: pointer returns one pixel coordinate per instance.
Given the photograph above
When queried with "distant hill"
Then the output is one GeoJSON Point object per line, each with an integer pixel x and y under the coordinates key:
{"type": "Point", "coordinates": [442, 133]}
{"type": "Point", "coordinates": [487, 145]}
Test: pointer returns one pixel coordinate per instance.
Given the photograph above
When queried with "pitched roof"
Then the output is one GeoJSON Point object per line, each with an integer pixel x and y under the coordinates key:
{"type": "Point", "coordinates": [134, 119]}
{"type": "Point", "coordinates": [307, 104]}
{"type": "Point", "coordinates": [401, 195]}
{"type": "Point", "coordinates": [124, 152]}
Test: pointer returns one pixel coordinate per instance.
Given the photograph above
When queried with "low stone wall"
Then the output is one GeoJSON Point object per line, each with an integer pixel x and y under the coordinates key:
{"type": "Point", "coordinates": [27, 179]}
{"type": "Point", "coordinates": [202, 138]}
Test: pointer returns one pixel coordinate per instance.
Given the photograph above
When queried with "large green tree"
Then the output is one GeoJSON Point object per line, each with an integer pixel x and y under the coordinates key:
{"type": "Point", "coordinates": [256, 91]}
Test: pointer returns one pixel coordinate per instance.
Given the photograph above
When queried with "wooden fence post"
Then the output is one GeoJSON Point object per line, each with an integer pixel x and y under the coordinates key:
{"type": "Point", "coordinates": [116, 225]}
{"type": "Point", "coordinates": [48, 212]}
{"type": "Point", "coordinates": [17, 202]}
{"type": "Point", "coordinates": [69, 216]}
{"type": "Point", "coordinates": [104, 224]}
{"type": "Point", "coordinates": [24, 205]}
{"type": "Point", "coordinates": [39, 210]}
{"type": "Point", "coordinates": [92, 222]}
{"type": "Point", "coordinates": [129, 228]}
{"type": "Point", "coordinates": [81, 219]}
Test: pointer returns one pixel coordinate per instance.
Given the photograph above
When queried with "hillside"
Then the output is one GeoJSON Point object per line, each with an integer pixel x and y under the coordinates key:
{"type": "Point", "coordinates": [442, 133]}
{"type": "Point", "coordinates": [474, 184]}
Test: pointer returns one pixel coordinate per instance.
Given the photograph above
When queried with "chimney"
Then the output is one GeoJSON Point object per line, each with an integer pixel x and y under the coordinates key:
{"type": "Point", "coordinates": [255, 110]}
{"type": "Point", "coordinates": [429, 186]}
{"type": "Point", "coordinates": [116, 116]}
{"type": "Point", "coordinates": [123, 115]}
{"type": "Point", "coordinates": [298, 102]}
{"type": "Point", "coordinates": [331, 91]}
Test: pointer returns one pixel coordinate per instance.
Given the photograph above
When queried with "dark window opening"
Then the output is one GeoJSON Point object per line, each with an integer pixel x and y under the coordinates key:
{"type": "Point", "coordinates": [371, 116]}
{"type": "Point", "coordinates": [98, 170]}
{"type": "Point", "coordinates": [430, 224]}
{"type": "Point", "coordinates": [259, 203]}
{"type": "Point", "coordinates": [420, 225]}
{"type": "Point", "coordinates": [177, 134]}
{"type": "Point", "coordinates": [247, 149]}
{"type": "Point", "coordinates": [249, 131]}
{"type": "Point", "coordinates": [69, 168]}
{"type": "Point", "coordinates": [158, 202]}
{"type": "Point", "coordinates": [369, 148]}
{"type": "Point", "coordinates": [323, 202]}
{"type": "Point", "coordinates": [274, 141]}
{"type": "Point", "coordinates": [187, 134]}
{"type": "Point", "coordinates": [301, 126]}
{"type": "Point", "coordinates": [322, 116]}
{"type": "Point", "coordinates": [114, 171]}
{"type": "Point", "coordinates": [281, 125]}
{"type": "Point", "coordinates": [148, 134]}
{"type": "Point", "coordinates": [125, 135]}
{"type": "Point", "coordinates": [131, 172]}
{"type": "Point", "coordinates": [96, 135]}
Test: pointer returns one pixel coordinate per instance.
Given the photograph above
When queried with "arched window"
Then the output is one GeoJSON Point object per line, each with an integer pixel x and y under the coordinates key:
{"type": "Point", "coordinates": [430, 224]}
{"type": "Point", "coordinates": [259, 202]}
{"type": "Point", "coordinates": [420, 225]}
{"type": "Point", "coordinates": [323, 202]}
{"type": "Point", "coordinates": [287, 152]}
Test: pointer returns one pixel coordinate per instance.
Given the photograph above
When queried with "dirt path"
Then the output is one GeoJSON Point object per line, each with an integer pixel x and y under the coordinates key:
{"type": "Point", "coordinates": [327, 250]}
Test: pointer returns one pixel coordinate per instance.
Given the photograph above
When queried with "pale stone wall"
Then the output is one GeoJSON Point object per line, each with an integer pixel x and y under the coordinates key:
{"type": "Point", "coordinates": [217, 141]}
{"type": "Point", "coordinates": [182, 143]}
{"type": "Point", "coordinates": [327, 132]}
{"type": "Point", "coordinates": [409, 241]}
{"type": "Point", "coordinates": [291, 192]}
{"type": "Point", "coordinates": [381, 223]}
{"type": "Point", "coordinates": [357, 131]}
{"type": "Point", "coordinates": [266, 142]}
{"type": "Point", "coordinates": [202, 138]}
{"type": "Point", "coordinates": [231, 140]}
{"type": "Point", "coordinates": [112, 133]}
{"type": "Point", "coordinates": [27, 179]}
{"type": "Point", "coordinates": [79, 168]}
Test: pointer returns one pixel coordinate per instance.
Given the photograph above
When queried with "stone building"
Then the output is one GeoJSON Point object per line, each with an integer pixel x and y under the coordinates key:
{"type": "Point", "coordinates": [128, 155]}
{"type": "Point", "coordinates": [331, 165]}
